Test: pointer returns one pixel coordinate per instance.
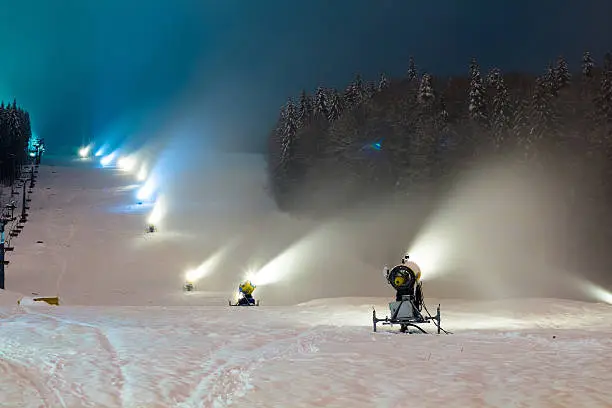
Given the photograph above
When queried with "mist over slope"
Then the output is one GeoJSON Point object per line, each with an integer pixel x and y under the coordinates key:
{"type": "Point", "coordinates": [495, 234]}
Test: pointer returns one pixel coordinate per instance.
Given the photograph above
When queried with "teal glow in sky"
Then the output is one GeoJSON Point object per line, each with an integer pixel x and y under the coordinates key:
{"type": "Point", "coordinates": [219, 70]}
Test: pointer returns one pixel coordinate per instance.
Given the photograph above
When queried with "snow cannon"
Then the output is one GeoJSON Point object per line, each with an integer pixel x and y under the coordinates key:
{"type": "Point", "coordinates": [245, 295]}
{"type": "Point", "coordinates": [151, 228]}
{"type": "Point", "coordinates": [407, 310]}
{"type": "Point", "coordinates": [189, 286]}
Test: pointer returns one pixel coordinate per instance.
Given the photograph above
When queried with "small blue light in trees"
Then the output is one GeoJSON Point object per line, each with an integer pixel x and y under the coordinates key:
{"type": "Point", "coordinates": [377, 146]}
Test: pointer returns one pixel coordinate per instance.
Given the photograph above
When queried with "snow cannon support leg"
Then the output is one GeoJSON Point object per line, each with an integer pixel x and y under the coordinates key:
{"type": "Point", "coordinates": [438, 318]}
{"type": "Point", "coordinates": [374, 319]}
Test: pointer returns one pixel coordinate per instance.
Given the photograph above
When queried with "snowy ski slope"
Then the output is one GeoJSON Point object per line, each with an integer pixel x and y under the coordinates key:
{"type": "Point", "coordinates": [127, 336]}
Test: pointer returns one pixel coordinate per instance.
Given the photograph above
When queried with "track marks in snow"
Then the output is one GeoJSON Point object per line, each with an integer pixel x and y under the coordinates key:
{"type": "Point", "coordinates": [66, 370]}
{"type": "Point", "coordinates": [24, 386]}
{"type": "Point", "coordinates": [235, 365]}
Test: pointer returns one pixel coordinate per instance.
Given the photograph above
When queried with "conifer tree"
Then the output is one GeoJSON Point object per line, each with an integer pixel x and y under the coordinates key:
{"type": "Point", "coordinates": [603, 102]}
{"type": "Point", "coordinates": [305, 109]}
{"type": "Point", "coordinates": [562, 72]}
{"type": "Point", "coordinates": [412, 73]}
{"type": "Point", "coordinates": [587, 65]}
{"type": "Point", "coordinates": [426, 95]}
{"type": "Point", "coordinates": [335, 108]}
{"type": "Point", "coordinates": [476, 100]}
{"type": "Point", "coordinates": [551, 81]}
{"type": "Point", "coordinates": [321, 109]}
{"type": "Point", "coordinates": [370, 90]}
{"type": "Point", "coordinates": [500, 120]}
{"type": "Point", "coordinates": [383, 83]}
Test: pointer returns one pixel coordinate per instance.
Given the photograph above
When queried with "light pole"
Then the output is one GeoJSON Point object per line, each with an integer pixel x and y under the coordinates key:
{"type": "Point", "coordinates": [2, 253]}
{"type": "Point", "coordinates": [32, 176]}
{"type": "Point", "coordinates": [24, 215]}
{"type": "Point", "coordinates": [3, 249]}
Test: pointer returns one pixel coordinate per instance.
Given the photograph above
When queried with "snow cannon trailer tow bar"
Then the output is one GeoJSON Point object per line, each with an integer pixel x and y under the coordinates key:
{"type": "Point", "coordinates": [406, 314]}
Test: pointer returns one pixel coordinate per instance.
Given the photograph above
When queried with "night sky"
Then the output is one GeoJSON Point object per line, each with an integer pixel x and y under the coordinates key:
{"type": "Point", "coordinates": [218, 70]}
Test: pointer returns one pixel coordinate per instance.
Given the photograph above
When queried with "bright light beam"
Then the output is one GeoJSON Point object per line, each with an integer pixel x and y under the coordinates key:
{"type": "Point", "coordinates": [100, 151]}
{"type": "Point", "coordinates": [126, 163]}
{"type": "Point", "coordinates": [431, 251]}
{"type": "Point", "coordinates": [208, 266]}
{"type": "Point", "coordinates": [286, 264]}
{"type": "Point", "coordinates": [142, 173]}
{"type": "Point", "coordinates": [599, 293]}
{"type": "Point", "coordinates": [108, 159]}
{"type": "Point", "coordinates": [158, 212]}
{"type": "Point", "coordinates": [146, 192]}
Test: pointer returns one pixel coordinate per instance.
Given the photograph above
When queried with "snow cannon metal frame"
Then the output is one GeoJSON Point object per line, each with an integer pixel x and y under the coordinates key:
{"type": "Point", "coordinates": [407, 311]}
{"type": "Point", "coordinates": [244, 304]}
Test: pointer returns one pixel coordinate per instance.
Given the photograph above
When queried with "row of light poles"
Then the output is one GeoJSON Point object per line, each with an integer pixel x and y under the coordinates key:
{"type": "Point", "coordinates": [7, 212]}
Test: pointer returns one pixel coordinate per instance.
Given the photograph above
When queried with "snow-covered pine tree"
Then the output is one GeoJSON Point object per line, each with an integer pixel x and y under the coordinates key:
{"type": "Point", "coordinates": [423, 143]}
{"type": "Point", "coordinates": [500, 120]}
{"type": "Point", "coordinates": [604, 100]}
{"type": "Point", "coordinates": [359, 89]}
{"type": "Point", "coordinates": [305, 110]}
{"type": "Point", "coordinates": [426, 96]}
{"type": "Point", "coordinates": [551, 81]}
{"type": "Point", "coordinates": [412, 73]}
{"type": "Point", "coordinates": [335, 108]}
{"type": "Point", "coordinates": [383, 83]}
{"type": "Point", "coordinates": [321, 109]}
{"type": "Point", "coordinates": [349, 97]}
{"type": "Point", "coordinates": [372, 89]}
{"type": "Point", "coordinates": [587, 65]}
{"type": "Point", "coordinates": [355, 93]}
{"type": "Point", "coordinates": [476, 101]}
{"type": "Point", "coordinates": [542, 116]}
{"type": "Point", "coordinates": [443, 112]}
{"type": "Point", "coordinates": [289, 131]}
{"type": "Point", "coordinates": [562, 71]}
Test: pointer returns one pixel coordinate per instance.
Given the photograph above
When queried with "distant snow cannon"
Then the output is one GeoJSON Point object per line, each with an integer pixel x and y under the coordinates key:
{"type": "Point", "coordinates": [189, 286]}
{"type": "Point", "coordinates": [245, 295]}
{"type": "Point", "coordinates": [151, 228]}
{"type": "Point", "coordinates": [407, 309]}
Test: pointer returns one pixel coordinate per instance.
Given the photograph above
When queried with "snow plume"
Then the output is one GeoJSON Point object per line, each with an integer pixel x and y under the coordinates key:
{"type": "Point", "coordinates": [503, 231]}
{"type": "Point", "coordinates": [499, 233]}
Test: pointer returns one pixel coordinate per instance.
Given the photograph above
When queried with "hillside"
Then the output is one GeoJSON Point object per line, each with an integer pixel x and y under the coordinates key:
{"type": "Point", "coordinates": [122, 306]}
{"type": "Point", "coordinates": [416, 136]}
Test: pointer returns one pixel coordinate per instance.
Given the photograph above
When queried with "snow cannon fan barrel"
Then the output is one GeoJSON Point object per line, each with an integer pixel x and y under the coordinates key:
{"type": "Point", "coordinates": [247, 288]}
{"type": "Point", "coordinates": [402, 277]}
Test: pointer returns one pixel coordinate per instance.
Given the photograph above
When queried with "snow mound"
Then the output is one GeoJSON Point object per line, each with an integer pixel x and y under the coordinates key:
{"type": "Point", "coordinates": [306, 356]}
{"type": "Point", "coordinates": [8, 298]}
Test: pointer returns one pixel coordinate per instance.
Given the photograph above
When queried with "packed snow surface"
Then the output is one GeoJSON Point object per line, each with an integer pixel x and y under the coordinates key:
{"type": "Point", "coordinates": [127, 336]}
